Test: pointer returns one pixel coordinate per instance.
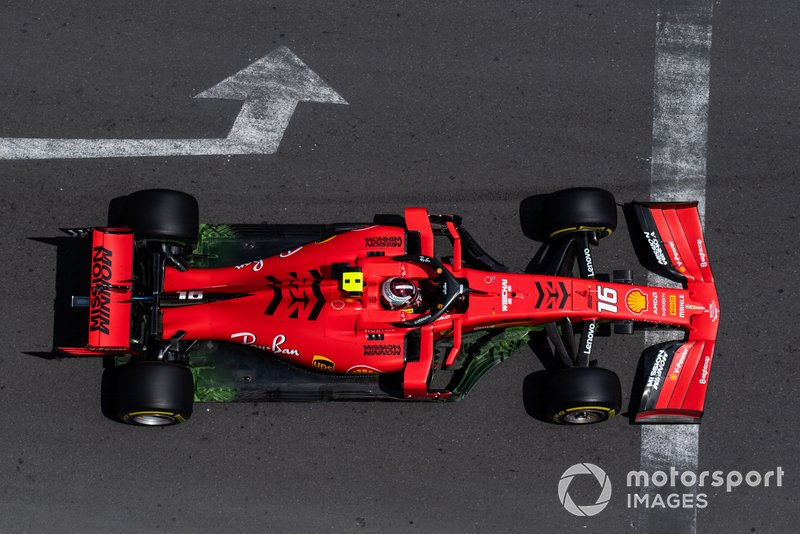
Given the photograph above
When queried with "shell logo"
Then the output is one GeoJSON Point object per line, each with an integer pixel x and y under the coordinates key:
{"type": "Point", "coordinates": [636, 301]}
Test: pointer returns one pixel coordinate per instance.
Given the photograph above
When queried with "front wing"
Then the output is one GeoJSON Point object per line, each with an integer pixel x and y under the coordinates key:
{"type": "Point", "coordinates": [669, 241]}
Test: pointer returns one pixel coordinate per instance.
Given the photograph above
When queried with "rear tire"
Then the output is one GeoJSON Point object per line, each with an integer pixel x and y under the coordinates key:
{"type": "Point", "coordinates": [163, 215]}
{"type": "Point", "coordinates": [582, 395]}
{"type": "Point", "coordinates": [151, 393]}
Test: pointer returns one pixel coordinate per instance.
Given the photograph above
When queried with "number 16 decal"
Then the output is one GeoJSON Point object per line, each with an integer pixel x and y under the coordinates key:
{"type": "Point", "coordinates": [606, 299]}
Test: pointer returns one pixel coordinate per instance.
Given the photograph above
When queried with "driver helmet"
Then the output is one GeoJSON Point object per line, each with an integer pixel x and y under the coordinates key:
{"type": "Point", "coordinates": [399, 292]}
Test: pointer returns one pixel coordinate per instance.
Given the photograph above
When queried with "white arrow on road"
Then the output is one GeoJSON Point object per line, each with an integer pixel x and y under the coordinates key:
{"type": "Point", "coordinates": [270, 89]}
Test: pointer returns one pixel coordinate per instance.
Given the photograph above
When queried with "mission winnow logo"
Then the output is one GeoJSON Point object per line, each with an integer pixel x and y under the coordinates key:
{"type": "Point", "coordinates": [670, 489]}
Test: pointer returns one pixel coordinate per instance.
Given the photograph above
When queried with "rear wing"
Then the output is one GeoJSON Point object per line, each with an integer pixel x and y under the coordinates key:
{"type": "Point", "coordinates": [668, 239]}
{"type": "Point", "coordinates": [110, 293]}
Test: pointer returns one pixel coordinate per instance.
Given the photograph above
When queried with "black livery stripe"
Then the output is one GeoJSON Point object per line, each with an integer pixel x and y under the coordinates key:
{"type": "Point", "coordinates": [277, 296]}
{"type": "Point", "coordinates": [551, 295]}
{"type": "Point", "coordinates": [299, 298]}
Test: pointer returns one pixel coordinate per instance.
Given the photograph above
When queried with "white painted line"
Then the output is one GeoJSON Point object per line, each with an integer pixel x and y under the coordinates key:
{"type": "Point", "coordinates": [270, 89]}
{"type": "Point", "coordinates": [680, 106]}
{"type": "Point", "coordinates": [678, 172]}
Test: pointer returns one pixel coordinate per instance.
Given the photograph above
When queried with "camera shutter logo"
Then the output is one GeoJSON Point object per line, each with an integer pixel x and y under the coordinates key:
{"type": "Point", "coordinates": [589, 509]}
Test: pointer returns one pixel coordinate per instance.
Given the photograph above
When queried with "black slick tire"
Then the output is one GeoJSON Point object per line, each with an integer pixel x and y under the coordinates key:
{"type": "Point", "coordinates": [153, 393]}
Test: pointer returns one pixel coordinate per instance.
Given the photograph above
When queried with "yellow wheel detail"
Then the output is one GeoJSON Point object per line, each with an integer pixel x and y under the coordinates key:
{"type": "Point", "coordinates": [605, 231]}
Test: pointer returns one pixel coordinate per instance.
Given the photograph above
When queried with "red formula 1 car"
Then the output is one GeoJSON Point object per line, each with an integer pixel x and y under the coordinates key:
{"type": "Point", "coordinates": [192, 312]}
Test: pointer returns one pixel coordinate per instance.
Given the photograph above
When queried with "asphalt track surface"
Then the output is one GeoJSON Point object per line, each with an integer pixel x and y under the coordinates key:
{"type": "Point", "coordinates": [463, 107]}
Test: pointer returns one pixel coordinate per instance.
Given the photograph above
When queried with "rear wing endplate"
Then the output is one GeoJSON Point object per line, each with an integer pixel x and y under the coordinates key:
{"type": "Point", "coordinates": [110, 292]}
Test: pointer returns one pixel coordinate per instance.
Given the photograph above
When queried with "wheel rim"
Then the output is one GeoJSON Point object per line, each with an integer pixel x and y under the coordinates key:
{"type": "Point", "coordinates": [153, 419]}
{"type": "Point", "coordinates": [566, 232]}
{"type": "Point", "coordinates": [583, 417]}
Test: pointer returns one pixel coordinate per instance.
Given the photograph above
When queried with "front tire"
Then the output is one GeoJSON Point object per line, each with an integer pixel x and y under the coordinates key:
{"type": "Point", "coordinates": [582, 395]}
{"type": "Point", "coordinates": [561, 214]}
{"type": "Point", "coordinates": [582, 209]}
{"type": "Point", "coordinates": [153, 393]}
